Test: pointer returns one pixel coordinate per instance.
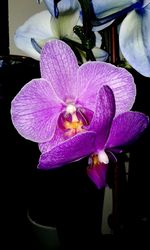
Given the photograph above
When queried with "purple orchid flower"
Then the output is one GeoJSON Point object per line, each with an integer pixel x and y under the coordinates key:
{"type": "Point", "coordinates": [57, 106]}
{"type": "Point", "coordinates": [105, 133]}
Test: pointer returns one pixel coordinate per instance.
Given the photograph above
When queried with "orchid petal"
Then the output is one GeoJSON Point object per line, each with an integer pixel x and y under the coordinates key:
{"type": "Point", "coordinates": [35, 111]}
{"type": "Point", "coordinates": [98, 174]}
{"type": "Point", "coordinates": [70, 150]}
{"type": "Point", "coordinates": [145, 3]}
{"type": "Point", "coordinates": [107, 7]}
{"type": "Point", "coordinates": [37, 27]}
{"type": "Point", "coordinates": [64, 7]}
{"type": "Point", "coordinates": [59, 66]}
{"type": "Point", "coordinates": [102, 26]}
{"type": "Point", "coordinates": [103, 116]}
{"type": "Point", "coordinates": [93, 75]}
{"type": "Point", "coordinates": [99, 54]}
{"type": "Point", "coordinates": [98, 39]}
{"type": "Point", "coordinates": [126, 128]}
{"type": "Point", "coordinates": [134, 39]}
{"type": "Point", "coordinates": [145, 29]}
{"type": "Point", "coordinates": [61, 24]}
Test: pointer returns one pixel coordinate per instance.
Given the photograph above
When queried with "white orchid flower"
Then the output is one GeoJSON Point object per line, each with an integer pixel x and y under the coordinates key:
{"type": "Point", "coordinates": [43, 27]}
{"type": "Point", "coordinates": [134, 39]}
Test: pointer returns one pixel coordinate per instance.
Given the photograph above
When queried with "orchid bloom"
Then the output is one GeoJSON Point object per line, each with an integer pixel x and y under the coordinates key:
{"type": "Point", "coordinates": [59, 104]}
{"type": "Point", "coordinates": [105, 133]}
{"type": "Point", "coordinates": [134, 39]}
{"type": "Point", "coordinates": [43, 27]}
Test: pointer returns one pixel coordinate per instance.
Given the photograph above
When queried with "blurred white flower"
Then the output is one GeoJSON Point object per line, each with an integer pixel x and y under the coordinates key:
{"type": "Point", "coordinates": [43, 27]}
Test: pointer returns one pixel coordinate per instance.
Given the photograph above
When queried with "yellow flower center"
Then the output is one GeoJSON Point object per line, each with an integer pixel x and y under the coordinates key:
{"type": "Point", "coordinates": [74, 119]}
{"type": "Point", "coordinates": [93, 161]}
{"type": "Point", "coordinates": [73, 127]}
{"type": "Point", "coordinates": [97, 159]}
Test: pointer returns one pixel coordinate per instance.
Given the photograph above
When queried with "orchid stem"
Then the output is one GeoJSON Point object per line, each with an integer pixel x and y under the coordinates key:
{"type": "Point", "coordinates": [86, 34]}
{"type": "Point", "coordinates": [86, 13]}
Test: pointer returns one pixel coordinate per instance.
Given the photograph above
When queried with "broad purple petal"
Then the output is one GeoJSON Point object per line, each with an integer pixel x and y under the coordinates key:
{"type": "Point", "coordinates": [59, 66]}
{"type": "Point", "coordinates": [126, 128]}
{"type": "Point", "coordinates": [75, 148]}
{"type": "Point", "coordinates": [35, 111]}
{"type": "Point", "coordinates": [98, 174]}
{"type": "Point", "coordinates": [103, 116]}
{"type": "Point", "coordinates": [93, 75]}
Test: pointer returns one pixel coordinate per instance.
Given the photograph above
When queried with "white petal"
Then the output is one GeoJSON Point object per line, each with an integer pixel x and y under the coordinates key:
{"type": "Point", "coordinates": [108, 7]}
{"type": "Point", "coordinates": [101, 27]}
{"type": "Point", "coordinates": [98, 37]}
{"type": "Point", "coordinates": [146, 2]}
{"type": "Point", "coordinates": [134, 39]}
{"type": "Point", "coordinates": [146, 30]}
{"type": "Point", "coordinates": [99, 54]}
{"type": "Point", "coordinates": [64, 24]}
{"type": "Point", "coordinates": [37, 27]}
